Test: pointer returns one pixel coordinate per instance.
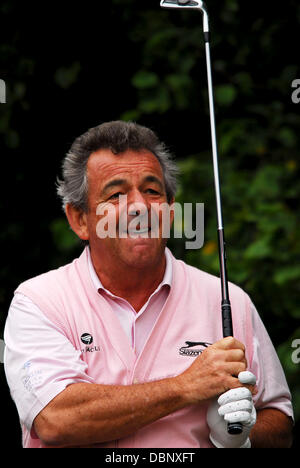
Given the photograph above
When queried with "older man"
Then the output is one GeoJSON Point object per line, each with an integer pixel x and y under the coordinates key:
{"type": "Point", "coordinates": [123, 347]}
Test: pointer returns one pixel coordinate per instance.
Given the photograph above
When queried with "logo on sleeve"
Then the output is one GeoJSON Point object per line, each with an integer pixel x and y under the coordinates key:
{"type": "Point", "coordinates": [193, 348]}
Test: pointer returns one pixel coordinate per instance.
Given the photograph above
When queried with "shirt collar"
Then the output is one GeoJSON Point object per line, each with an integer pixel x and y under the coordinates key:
{"type": "Point", "coordinates": [167, 279]}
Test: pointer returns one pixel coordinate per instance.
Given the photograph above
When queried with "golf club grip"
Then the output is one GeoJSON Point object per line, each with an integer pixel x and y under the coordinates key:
{"type": "Point", "coordinates": [233, 428]}
{"type": "Point", "coordinates": [227, 319]}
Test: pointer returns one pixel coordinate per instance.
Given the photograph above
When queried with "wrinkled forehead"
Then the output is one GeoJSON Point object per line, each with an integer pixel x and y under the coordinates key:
{"type": "Point", "coordinates": [103, 165]}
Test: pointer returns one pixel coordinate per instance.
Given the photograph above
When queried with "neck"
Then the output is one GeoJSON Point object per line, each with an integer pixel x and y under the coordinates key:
{"type": "Point", "coordinates": [132, 284]}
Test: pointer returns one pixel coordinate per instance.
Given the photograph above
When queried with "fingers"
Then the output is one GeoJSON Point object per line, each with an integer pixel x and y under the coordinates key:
{"type": "Point", "coordinates": [247, 378]}
{"type": "Point", "coordinates": [229, 343]}
{"type": "Point", "coordinates": [235, 351]}
{"type": "Point", "coordinates": [235, 395]}
{"type": "Point", "coordinates": [235, 355]}
{"type": "Point", "coordinates": [236, 405]}
{"type": "Point", "coordinates": [242, 405]}
{"type": "Point", "coordinates": [235, 368]}
{"type": "Point", "coordinates": [241, 416]}
{"type": "Point", "coordinates": [216, 370]}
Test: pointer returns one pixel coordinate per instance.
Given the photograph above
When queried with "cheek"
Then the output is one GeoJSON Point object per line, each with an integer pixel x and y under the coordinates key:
{"type": "Point", "coordinates": [104, 223]}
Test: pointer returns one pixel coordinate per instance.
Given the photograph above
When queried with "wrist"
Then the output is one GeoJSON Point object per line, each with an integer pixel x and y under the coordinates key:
{"type": "Point", "coordinates": [181, 390]}
{"type": "Point", "coordinates": [187, 390]}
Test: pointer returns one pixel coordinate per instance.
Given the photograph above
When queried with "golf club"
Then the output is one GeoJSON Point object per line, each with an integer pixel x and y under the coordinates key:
{"type": "Point", "coordinates": [233, 428]}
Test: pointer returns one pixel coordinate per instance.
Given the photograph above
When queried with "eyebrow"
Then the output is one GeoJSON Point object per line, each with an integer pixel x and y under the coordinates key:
{"type": "Point", "coordinates": [113, 183]}
{"type": "Point", "coordinates": [155, 180]}
{"type": "Point", "coordinates": [118, 182]}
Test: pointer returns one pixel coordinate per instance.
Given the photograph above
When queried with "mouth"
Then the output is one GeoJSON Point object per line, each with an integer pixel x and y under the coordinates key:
{"type": "Point", "coordinates": [139, 232]}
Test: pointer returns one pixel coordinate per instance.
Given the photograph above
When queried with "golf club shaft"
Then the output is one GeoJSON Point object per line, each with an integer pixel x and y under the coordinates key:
{"type": "Point", "coordinates": [199, 5]}
{"type": "Point", "coordinates": [227, 324]}
{"type": "Point", "coordinates": [235, 428]}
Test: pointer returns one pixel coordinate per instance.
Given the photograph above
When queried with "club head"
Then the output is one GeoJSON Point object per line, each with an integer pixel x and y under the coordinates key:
{"type": "Point", "coordinates": [180, 4]}
{"type": "Point", "coordinates": [188, 5]}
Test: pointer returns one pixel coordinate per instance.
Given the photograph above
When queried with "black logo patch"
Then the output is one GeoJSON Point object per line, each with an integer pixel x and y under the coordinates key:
{"type": "Point", "coordinates": [193, 348]}
{"type": "Point", "coordinates": [86, 338]}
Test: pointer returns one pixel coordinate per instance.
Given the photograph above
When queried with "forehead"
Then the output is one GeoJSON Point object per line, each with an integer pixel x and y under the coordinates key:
{"type": "Point", "coordinates": [103, 165]}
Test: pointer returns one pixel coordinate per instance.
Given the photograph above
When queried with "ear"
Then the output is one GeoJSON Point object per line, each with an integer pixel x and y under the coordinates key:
{"type": "Point", "coordinates": [78, 221]}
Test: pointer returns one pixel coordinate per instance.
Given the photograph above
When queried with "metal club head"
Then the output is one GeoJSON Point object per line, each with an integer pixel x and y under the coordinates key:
{"type": "Point", "coordinates": [190, 4]}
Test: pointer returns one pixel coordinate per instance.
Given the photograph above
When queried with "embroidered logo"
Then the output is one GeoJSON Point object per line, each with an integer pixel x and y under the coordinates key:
{"type": "Point", "coordinates": [193, 348]}
{"type": "Point", "coordinates": [86, 339]}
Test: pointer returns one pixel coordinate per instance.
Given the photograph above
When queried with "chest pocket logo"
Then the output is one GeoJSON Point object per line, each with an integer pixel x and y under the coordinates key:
{"type": "Point", "coordinates": [193, 348]}
{"type": "Point", "coordinates": [86, 338]}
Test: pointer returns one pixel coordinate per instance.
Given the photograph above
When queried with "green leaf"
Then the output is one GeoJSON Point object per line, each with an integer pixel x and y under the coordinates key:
{"type": "Point", "coordinates": [285, 275]}
{"type": "Point", "coordinates": [157, 101]}
{"type": "Point", "coordinates": [287, 137]}
{"type": "Point", "coordinates": [225, 95]}
{"type": "Point", "coordinates": [259, 249]}
{"type": "Point", "coordinates": [145, 80]}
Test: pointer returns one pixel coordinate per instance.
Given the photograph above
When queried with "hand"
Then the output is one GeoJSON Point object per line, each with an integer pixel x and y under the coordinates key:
{"type": "Point", "coordinates": [233, 406]}
{"type": "Point", "coordinates": [212, 373]}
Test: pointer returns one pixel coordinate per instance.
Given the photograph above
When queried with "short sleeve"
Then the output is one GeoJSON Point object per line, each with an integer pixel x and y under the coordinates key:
{"type": "Point", "coordinates": [39, 360]}
{"type": "Point", "coordinates": [273, 390]}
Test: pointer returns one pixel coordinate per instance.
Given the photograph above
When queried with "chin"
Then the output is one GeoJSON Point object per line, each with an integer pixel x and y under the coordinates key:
{"type": "Point", "coordinates": [143, 255]}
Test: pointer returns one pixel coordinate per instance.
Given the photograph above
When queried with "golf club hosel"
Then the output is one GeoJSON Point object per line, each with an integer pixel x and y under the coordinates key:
{"type": "Point", "coordinates": [205, 23]}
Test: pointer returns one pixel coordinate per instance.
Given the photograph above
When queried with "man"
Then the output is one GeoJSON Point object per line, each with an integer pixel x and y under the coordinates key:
{"type": "Point", "coordinates": [123, 347]}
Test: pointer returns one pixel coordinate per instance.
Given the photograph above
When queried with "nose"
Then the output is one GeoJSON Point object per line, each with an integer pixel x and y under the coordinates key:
{"type": "Point", "coordinates": [136, 204]}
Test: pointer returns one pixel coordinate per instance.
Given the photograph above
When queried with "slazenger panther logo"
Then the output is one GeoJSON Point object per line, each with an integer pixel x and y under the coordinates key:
{"type": "Point", "coordinates": [193, 348]}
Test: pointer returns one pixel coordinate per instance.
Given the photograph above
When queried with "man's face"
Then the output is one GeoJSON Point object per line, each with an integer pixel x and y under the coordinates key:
{"type": "Point", "coordinates": [139, 177]}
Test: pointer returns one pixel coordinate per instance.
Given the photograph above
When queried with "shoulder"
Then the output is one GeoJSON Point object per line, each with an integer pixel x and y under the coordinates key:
{"type": "Point", "coordinates": [52, 290]}
{"type": "Point", "coordinates": [53, 278]}
{"type": "Point", "coordinates": [43, 280]}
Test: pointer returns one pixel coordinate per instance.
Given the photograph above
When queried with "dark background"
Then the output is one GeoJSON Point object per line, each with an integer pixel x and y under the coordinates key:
{"type": "Point", "coordinates": [70, 66]}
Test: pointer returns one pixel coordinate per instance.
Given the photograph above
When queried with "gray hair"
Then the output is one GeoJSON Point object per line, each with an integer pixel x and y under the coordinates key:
{"type": "Point", "coordinates": [118, 137]}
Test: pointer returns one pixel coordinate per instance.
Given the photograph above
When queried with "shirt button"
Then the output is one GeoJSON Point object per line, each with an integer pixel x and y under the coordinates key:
{"type": "Point", "coordinates": [135, 381]}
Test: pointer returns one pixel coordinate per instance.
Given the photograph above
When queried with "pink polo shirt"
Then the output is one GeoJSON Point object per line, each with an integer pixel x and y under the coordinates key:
{"type": "Point", "coordinates": [28, 328]}
{"type": "Point", "coordinates": [47, 350]}
{"type": "Point", "coordinates": [136, 324]}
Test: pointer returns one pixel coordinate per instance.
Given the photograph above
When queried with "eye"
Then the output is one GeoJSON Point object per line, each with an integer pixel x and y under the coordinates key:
{"type": "Point", "coordinates": [115, 196]}
{"type": "Point", "coordinates": [152, 191]}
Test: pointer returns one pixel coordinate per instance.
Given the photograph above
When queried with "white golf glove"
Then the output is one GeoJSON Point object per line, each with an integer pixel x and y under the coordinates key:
{"type": "Point", "coordinates": [233, 406]}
